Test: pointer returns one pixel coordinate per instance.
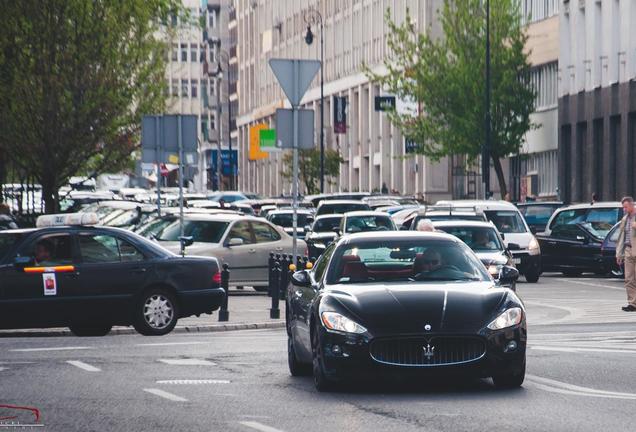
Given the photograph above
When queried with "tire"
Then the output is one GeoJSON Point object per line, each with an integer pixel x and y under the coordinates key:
{"type": "Point", "coordinates": [321, 381]}
{"type": "Point", "coordinates": [572, 273]}
{"type": "Point", "coordinates": [510, 380]}
{"type": "Point", "coordinates": [261, 288]}
{"type": "Point", "coordinates": [96, 330]}
{"type": "Point", "coordinates": [156, 313]}
{"type": "Point", "coordinates": [532, 276]}
{"type": "Point", "coordinates": [296, 368]}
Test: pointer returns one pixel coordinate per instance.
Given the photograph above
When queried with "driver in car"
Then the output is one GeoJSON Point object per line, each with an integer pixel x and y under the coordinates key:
{"type": "Point", "coordinates": [430, 260]}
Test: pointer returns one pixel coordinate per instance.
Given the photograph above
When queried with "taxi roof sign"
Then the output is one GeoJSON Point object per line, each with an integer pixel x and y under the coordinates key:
{"type": "Point", "coordinates": [66, 219]}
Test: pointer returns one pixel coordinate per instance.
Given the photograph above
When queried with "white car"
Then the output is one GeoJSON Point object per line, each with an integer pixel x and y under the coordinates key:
{"type": "Point", "coordinates": [242, 242]}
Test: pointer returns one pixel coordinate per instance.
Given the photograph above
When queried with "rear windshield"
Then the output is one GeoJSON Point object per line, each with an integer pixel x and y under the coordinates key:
{"type": "Point", "coordinates": [200, 231]}
{"type": "Point", "coordinates": [506, 221]}
{"type": "Point", "coordinates": [479, 239]}
{"type": "Point", "coordinates": [7, 241]}
{"type": "Point", "coordinates": [451, 217]}
{"type": "Point", "coordinates": [286, 220]}
{"type": "Point", "coordinates": [369, 223]}
{"type": "Point", "coordinates": [326, 224]}
{"type": "Point", "coordinates": [341, 208]}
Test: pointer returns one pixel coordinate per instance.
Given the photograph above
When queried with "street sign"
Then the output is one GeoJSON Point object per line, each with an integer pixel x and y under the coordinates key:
{"type": "Point", "coordinates": [226, 161]}
{"type": "Point", "coordinates": [268, 140]}
{"type": "Point", "coordinates": [285, 128]}
{"type": "Point", "coordinates": [160, 133]}
{"type": "Point", "coordinates": [285, 69]}
{"type": "Point", "coordinates": [384, 103]}
{"type": "Point", "coordinates": [339, 115]}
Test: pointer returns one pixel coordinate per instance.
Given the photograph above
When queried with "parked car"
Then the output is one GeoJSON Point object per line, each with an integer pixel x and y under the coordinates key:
{"type": "Point", "coordinates": [227, 196]}
{"type": "Point", "coordinates": [574, 248]}
{"type": "Point", "coordinates": [538, 213]}
{"type": "Point", "coordinates": [340, 206]}
{"type": "Point", "coordinates": [349, 196]}
{"type": "Point", "coordinates": [608, 251]}
{"type": "Point", "coordinates": [605, 213]}
{"type": "Point", "coordinates": [284, 219]}
{"type": "Point", "coordinates": [363, 221]}
{"type": "Point", "coordinates": [242, 242]}
{"type": "Point", "coordinates": [322, 233]}
{"type": "Point", "coordinates": [448, 212]}
{"type": "Point", "coordinates": [515, 232]}
{"type": "Point", "coordinates": [484, 239]}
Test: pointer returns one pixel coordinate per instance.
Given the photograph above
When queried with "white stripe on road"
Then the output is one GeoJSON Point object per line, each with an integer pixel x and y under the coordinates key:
{"type": "Point", "coordinates": [259, 426]}
{"type": "Point", "coordinates": [3, 369]}
{"type": "Point", "coordinates": [187, 362]}
{"type": "Point", "coordinates": [575, 349]}
{"type": "Point", "coordinates": [572, 313]}
{"type": "Point", "coordinates": [561, 387]}
{"type": "Point", "coordinates": [49, 349]}
{"type": "Point", "coordinates": [171, 343]}
{"type": "Point", "coordinates": [84, 366]}
{"type": "Point", "coordinates": [591, 284]}
{"type": "Point", "coordinates": [165, 395]}
{"type": "Point", "coordinates": [193, 381]}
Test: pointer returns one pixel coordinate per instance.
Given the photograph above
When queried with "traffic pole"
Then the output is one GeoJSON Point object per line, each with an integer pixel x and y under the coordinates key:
{"type": "Point", "coordinates": [224, 314]}
{"type": "Point", "coordinates": [274, 312]}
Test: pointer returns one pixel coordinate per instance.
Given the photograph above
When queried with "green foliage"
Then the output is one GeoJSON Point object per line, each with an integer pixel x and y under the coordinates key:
{"type": "Point", "coordinates": [446, 78]}
{"type": "Point", "coordinates": [309, 168]}
{"type": "Point", "coordinates": [75, 78]}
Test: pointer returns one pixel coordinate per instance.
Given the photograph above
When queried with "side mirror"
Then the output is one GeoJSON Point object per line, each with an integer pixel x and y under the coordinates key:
{"type": "Point", "coordinates": [508, 275]}
{"type": "Point", "coordinates": [186, 241]}
{"type": "Point", "coordinates": [235, 241]}
{"type": "Point", "coordinates": [513, 246]}
{"type": "Point", "coordinates": [301, 279]}
{"type": "Point", "coordinates": [20, 262]}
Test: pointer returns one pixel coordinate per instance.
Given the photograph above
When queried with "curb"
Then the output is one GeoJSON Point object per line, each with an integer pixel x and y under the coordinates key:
{"type": "Point", "coordinates": [206, 328]}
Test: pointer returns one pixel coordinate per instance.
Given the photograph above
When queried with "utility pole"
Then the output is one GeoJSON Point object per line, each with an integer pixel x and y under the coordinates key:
{"type": "Point", "coordinates": [312, 16]}
{"type": "Point", "coordinates": [486, 151]}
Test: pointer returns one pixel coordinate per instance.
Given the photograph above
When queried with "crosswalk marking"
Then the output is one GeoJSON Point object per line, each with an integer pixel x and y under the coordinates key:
{"type": "Point", "coordinates": [84, 366]}
{"type": "Point", "coordinates": [165, 395]}
{"type": "Point", "coordinates": [259, 426]}
{"type": "Point", "coordinates": [187, 362]}
{"type": "Point", "coordinates": [194, 381]}
{"type": "Point", "coordinates": [50, 349]}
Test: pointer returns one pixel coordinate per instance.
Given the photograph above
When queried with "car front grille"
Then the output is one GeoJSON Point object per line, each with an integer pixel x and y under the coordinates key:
{"type": "Point", "coordinates": [432, 351]}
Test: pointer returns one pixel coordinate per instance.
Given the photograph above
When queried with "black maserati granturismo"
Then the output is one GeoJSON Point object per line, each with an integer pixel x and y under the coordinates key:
{"type": "Point", "coordinates": [407, 303]}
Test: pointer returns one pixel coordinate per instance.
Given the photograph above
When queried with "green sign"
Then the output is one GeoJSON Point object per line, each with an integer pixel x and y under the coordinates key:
{"type": "Point", "coordinates": [267, 138]}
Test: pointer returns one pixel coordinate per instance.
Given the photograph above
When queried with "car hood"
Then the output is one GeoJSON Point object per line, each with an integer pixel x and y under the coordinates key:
{"type": "Point", "coordinates": [488, 258]}
{"type": "Point", "coordinates": [522, 239]}
{"type": "Point", "coordinates": [321, 236]}
{"type": "Point", "coordinates": [399, 308]}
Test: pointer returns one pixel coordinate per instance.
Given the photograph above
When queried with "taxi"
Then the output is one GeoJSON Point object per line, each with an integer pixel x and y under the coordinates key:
{"type": "Point", "coordinates": [68, 272]}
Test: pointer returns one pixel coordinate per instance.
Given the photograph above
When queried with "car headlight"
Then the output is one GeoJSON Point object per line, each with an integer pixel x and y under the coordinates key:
{"type": "Point", "coordinates": [533, 245]}
{"type": "Point", "coordinates": [508, 318]}
{"type": "Point", "coordinates": [338, 322]}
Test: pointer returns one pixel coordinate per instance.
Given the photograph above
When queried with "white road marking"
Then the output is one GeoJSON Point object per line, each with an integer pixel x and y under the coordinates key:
{"type": "Point", "coordinates": [194, 381]}
{"type": "Point", "coordinates": [187, 362]}
{"type": "Point", "coordinates": [3, 369]}
{"type": "Point", "coordinates": [591, 284]}
{"type": "Point", "coordinates": [84, 366]}
{"type": "Point", "coordinates": [259, 426]}
{"type": "Point", "coordinates": [565, 388]}
{"type": "Point", "coordinates": [49, 349]}
{"type": "Point", "coordinates": [165, 395]}
{"type": "Point", "coordinates": [172, 343]}
{"type": "Point", "coordinates": [576, 349]}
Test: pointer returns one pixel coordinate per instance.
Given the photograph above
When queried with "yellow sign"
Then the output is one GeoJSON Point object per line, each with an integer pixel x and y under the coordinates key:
{"type": "Point", "coordinates": [255, 152]}
{"type": "Point", "coordinates": [173, 159]}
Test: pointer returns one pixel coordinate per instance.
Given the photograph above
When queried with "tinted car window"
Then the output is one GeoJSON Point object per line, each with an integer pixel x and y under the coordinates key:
{"type": "Point", "coordinates": [241, 229]}
{"type": "Point", "coordinates": [128, 252]}
{"type": "Point", "coordinates": [368, 223]}
{"type": "Point", "coordinates": [566, 232]}
{"type": "Point", "coordinates": [285, 219]}
{"type": "Point", "coordinates": [99, 248]}
{"type": "Point", "coordinates": [608, 215]}
{"type": "Point", "coordinates": [7, 242]}
{"type": "Point", "coordinates": [326, 224]}
{"type": "Point", "coordinates": [323, 261]}
{"type": "Point", "coordinates": [506, 221]}
{"type": "Point", "coordinates": [264, 233]}
{"type": "Point", "coordinates": [341, 208]}
{"type": "Point", "coordinates": [478, 239]}
{"type": "Point", "coordinates": [52, 250]}
{"type": "Point", "coordinates": [568, 216]}
{"type": "Point", "coordinates": [200, 231]}
{"type": "Point", "coordinates": [537, 214]}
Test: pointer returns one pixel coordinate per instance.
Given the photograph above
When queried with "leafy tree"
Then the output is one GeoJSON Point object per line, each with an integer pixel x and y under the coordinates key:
{"type": "Point", "coordinates": [75, 78]}
{"type": "Point", "coordinates": [445, 76]}
{"type": "Point", "coordinates": [309, 168]}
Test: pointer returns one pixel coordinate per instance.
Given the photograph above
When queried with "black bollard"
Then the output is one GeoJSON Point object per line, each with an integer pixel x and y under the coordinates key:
{"type": "Point", "coordinates": [274, 312]}
{"type": "Point", "coordinates": [270, 269]}
{"type": "Point", "coordinates": [224, 314]}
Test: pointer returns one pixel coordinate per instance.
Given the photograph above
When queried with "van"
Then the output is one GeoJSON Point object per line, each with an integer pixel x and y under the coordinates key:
{"type": "Point", "coordinates": [515, 231]}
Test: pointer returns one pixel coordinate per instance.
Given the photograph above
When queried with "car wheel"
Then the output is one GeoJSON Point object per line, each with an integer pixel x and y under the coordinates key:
{"type": "Point", "coordinates": [96, 330]}
{"type": "Point", "coordinates": [156, 313]}
{"type": "Point", "coordinates": [512, 379]}
{"type": "Point", "coordinates": [572, 273]}
{"type": "Point", "coordinates": [532, 276]}
{"type": "Point", "coordinates": [296, 368]}
{"type": "Point", "coordinates": [321, 381]}
{"type": "Point", "coordinates": [261, 288]}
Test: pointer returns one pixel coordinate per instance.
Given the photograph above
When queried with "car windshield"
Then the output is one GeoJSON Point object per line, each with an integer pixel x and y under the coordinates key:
{"type": "Point", "coordinates": [446, 217]}
{"type": "Point", "coordinates": [597, 229]}
{"type": "Point", "coordinates": [507, 221]}
{"type": "Point", "coordinates": [538, 214]}
{"type": "Point", "coordinates": [285, 219]}
{"type": "Point", "coordinates": [200, 231]}
{"type": "Point", "coordinates": [479, 239]}
{"type": "Point", "coordinates": [369, 223]}
{"type": "Point", "coordinates": [7, 241]}
{"type": "Point", "coordinates": [326, 224]}
{"type": "Point", "coordinates": [155, 226]}
{"type": "Point", "coordinates": [342, 208]}
{"type": "Point", "coordinates": [412, 260]}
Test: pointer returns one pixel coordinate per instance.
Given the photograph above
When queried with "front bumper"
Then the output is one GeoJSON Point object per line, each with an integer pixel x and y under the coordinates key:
{"type": "Point", "coordinates": [527, 263]}
{"type": "Point", "coordinates": [195, 302]}
{"type": "Point", "coordinates": [349, 357]}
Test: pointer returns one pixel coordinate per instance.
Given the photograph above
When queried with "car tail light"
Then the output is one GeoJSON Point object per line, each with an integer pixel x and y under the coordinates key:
{"type": "Point", "coordinates": [217, 277]}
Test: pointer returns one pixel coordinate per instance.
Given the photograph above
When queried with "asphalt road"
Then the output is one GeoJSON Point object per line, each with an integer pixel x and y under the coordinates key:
{"type": "Point", "coordinates": [581, 369]}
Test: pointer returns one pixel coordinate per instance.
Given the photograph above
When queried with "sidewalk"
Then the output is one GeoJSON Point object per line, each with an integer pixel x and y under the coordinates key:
{"type": "Point", "coordinates": [248, 310]}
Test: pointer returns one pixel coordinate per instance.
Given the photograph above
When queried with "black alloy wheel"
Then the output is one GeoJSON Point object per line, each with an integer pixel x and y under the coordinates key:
{"type": "Point", "coordinates": [156, 313]}
{"type": "Point", "coordinates": [296, 368]}
{"type": "Point", "coordinates": [321, 381]}
{"type": "Point", "coordinates": [94, 330]}
{"type": "Point", "coordinates": [512, 379]}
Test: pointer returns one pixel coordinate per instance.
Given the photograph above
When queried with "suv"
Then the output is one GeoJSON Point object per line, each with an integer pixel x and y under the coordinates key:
{"type": "Point", "coordinates": [284, 219]}
{"type": "Point", "coordinates": [340, 206]}
{"type": "Point", "coordinates": [515, 232]}
{"type": "Point", "coordinates": [602, 215]}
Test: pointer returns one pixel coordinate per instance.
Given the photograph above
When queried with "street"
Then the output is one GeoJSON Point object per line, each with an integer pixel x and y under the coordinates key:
{"type": "Point", "coordinates": [580, 369]}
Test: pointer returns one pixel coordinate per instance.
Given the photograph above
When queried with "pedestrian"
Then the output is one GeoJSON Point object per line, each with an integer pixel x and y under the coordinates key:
{"type": "Point", "coordinates": [385, 190]}
{"type": "Point", "coordinates": [594, 199]}
{"type": "Point", "coordinates": [625, 254]}
{"type": "Point", "coordinates": [425, 225]}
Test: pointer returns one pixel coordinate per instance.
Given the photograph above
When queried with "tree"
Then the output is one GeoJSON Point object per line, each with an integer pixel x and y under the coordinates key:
{"type": "Point", "coordinates": [446, 78]}
{"type": "Point", "coordinates": [309, 168]}
{"type": "Point", "coordinates": [75, 78]}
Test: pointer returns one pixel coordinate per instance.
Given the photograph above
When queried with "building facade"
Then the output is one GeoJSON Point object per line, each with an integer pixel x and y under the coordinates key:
{"type": "Point", "coordinates": [597, 99]}
{"type": "Point", "coordinates": [355, 33]}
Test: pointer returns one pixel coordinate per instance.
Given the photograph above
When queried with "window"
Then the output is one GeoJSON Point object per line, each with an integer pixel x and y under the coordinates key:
{"type": "Point", "coordinates": [241, 230]}
{"type": "Point", "coordinates": [212, 19]}
{"type": "Point", "coordinates": [544, 81]}
{"type": "Point", "coordinates": [264, 233]}
{"type": "Point", "coordinates": [204, 129]}
{"type": "Point", "coordinates": [99, 249]}
{"type": "Point", "coordinates": [184, 88]}
{"type": "Point", "coordinates": [128, 252]}
{"type": "Point", "coordinates": [566, 232]}
{"type": "Point", "coordinates": [200, 231]}
{"type": "Point", "coordinates": [193, 53]}
{"type": "Point", "coordinates": [506, 221]}
{"type": "Point", "coordinates": [568, 217]}
{"type": "Point", "coordinates": [204, 93]}
{"type": "Point", "coordinates": [175, 87]}
{"type": "Point", "coordinates": [184, 52]}
{"type": "Point", "coordinates": [323, 261]}
{"type": "Point", "coordinates": [194, 83]}
{"type": "Point", "coordinates": [52, 250]}
{"type": "Point", "coordinates": [175, 52]}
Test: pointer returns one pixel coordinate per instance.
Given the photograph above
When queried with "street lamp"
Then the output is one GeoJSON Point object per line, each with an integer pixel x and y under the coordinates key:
{"type": "Point", "coordinates": [223, 57]}
{"type": "Point", "coordinates": [312, 16]}
{"type": "Point", "coordinates": [486, 151]}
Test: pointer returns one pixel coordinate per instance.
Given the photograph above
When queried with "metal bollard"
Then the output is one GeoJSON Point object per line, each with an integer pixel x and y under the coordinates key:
{"type": "Point", "coordinates": [274, 312]}
{"type": "Point", "coordinates": [224, 314]}
{"type": "Point", "coordinates": [284, 278]}
{"type": "Point", "coordinates": [270, 270]}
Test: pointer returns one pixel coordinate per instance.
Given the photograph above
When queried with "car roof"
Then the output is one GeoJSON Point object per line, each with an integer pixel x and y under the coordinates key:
{"type": "Point", "coordinates": [398, 235]}
{"type": "Point", "coordinates": [480, 204]}
{"type": "Point", "coordinates": [336, 202]}
{"type": "Point", "coordinates": [219, 217]}
{"type": "Point", "coordinates": [539, 203]}
{"type": "Point", "coordinates": [603, 204]}
{"type": "Point", "coordinates": [463, 223]}
{"type": "Point", "coordinates": [290, 211]}
{"type": "Point", "coordinates": [366, 213]}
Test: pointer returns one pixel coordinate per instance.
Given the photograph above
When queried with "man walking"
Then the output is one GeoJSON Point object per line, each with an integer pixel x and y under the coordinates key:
{"type": "Point", "coordinates": [625, 253]}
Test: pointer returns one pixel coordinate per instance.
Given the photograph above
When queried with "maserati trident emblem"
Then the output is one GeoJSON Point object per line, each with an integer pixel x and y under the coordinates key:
{"type": "Point", "coordinates": [429, 351]}
{"type": "Point", "coordinates": [427, 327]}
